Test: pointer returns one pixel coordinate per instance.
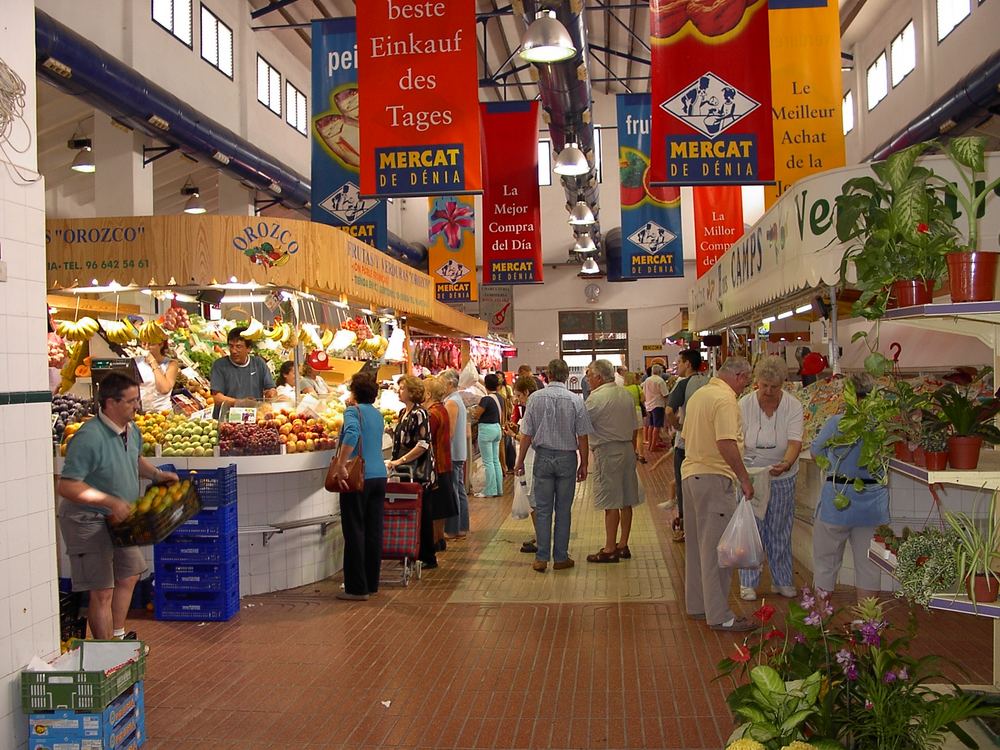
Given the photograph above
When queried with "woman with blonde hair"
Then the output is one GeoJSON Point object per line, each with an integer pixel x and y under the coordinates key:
{"type": "Point", "coordinates": [442, 502]}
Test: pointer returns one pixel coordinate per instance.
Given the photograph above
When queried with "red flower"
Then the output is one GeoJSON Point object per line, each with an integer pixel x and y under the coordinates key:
{"type": "Point", "coordinates": [764, 614]}
{"type": "Point", "coordinates": [773, 633]}
{"type": "Point", "coordinates": [741, 654]}
{"type": "Point", "coordinates": [923, 228]}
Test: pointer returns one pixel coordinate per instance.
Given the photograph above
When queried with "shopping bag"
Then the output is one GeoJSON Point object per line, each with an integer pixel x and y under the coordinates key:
{"type": "Point", "coordinates": [740, 545]}
{"type": "Point", "coordinates": [478, 480]}
{"type": "Point", "coordinates": [761, 478]}
{"type": "Point", "coordinates": [521, 507]}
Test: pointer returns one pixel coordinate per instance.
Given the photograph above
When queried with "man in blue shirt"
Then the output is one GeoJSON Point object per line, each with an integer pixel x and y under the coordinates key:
{"type": "Point", "coordinates": [556, 424]}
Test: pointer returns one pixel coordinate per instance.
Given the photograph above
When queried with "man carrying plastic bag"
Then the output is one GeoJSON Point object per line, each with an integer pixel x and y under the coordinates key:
{"type": "Point", "coordinates": [711, 474]}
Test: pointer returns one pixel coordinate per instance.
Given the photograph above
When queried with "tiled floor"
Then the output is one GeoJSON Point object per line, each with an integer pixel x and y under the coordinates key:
{"type": "Point", "coordinates": [481, 653]}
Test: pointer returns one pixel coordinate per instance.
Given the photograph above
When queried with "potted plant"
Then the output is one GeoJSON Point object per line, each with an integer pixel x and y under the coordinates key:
{"type": "Point", "coordinates": [977, 554]}
{"type": "Point", "coordinates": [900, 230]}
{"type": "Point", "coordinates": [934, 443]}
{"type": "Point", "coordinates": [970, 418]}
{"type": "Point", "coordinates": [926, 565]}
{"type": "Point", "coordinates": [971, 272]}
{"type": "Point", "coordinates": [906, 424]}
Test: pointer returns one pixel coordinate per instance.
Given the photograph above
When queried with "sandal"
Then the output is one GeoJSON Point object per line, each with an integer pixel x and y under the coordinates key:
{"type": "Point", "coordinates": [529, 547]}
{"type": "Point", "coordinates": [603, 557]}
{"type": "Point", "coordinates": [624, 552]}
{"type": "Point", "coordinates": [739, 625]}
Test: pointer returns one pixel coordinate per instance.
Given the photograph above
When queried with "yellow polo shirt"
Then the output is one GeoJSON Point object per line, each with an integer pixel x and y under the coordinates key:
{"type": "Point", "coordinates": [712, 414]}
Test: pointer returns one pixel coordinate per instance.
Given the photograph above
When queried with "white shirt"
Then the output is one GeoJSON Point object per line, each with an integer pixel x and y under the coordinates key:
{"type": "Point", "coordinates": [765, 439]}
{"type": "Point", "coordinates": [152, 399]}
{"type": "Point", "coordinates": [654, 391]}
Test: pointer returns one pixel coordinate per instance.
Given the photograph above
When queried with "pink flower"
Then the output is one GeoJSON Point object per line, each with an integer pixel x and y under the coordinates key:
{"type": "Point", "coordinates": [450, 221]}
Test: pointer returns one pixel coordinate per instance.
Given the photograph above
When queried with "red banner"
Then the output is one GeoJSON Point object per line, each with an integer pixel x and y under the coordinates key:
{"type": "Point", "coordinates": [718, 223]}
{"type": "Point", "coordinates": [417, 73]}
{"type": "Point", "coordinates": [711, 93]}
{"type": "Point", "coordinates": [512, 236]}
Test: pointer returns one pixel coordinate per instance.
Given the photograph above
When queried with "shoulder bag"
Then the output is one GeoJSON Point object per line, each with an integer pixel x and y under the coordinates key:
{"type": "Point", "coordinates": [355, 466]}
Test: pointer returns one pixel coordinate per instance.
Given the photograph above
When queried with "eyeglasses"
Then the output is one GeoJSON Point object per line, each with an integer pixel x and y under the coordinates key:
{"type": "Point", "coordinates": [130, 401]}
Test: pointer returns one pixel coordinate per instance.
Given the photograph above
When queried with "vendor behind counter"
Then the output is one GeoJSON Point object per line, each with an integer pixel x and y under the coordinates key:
{"type": "Point", "coordinates": [242, 378]}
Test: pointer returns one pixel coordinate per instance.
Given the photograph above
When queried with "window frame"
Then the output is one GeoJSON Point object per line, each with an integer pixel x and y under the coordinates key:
{"type": "Point", "coordinates": [937, 21]}
{"type": "Point", "coordinates": [267, 105]}
{"type": "Point", "coordinates": [892, 64]}
{"type": "Point", "coordinates": [169, 29]}
{"type": "Point", "coordinates": [883, 55]}
{"type": "Point", "coordinates": [305, 122]}
{"type": "Point", "coordinates": [232, 43]}
{"type": "Point", "coordinates": [849, 94]}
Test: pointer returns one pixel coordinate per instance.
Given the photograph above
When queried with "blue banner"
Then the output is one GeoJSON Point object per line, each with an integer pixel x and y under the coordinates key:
{"type": "Point", "coordinates": [336, 137]}
{"type": "Point", "coordinates": [651, 216]}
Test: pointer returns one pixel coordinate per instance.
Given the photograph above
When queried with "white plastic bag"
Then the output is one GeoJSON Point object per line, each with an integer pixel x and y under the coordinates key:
{"type": "Point", "coordinates": [740, 545]}
{"type": "Point", "coordinates": [478, 479]}
{"type": "Point", "coordinates": [468, 376]}
{"type": "Point", "coordinates": [522, 505]}
{"type": "Point", "coordinates": [761, 478]}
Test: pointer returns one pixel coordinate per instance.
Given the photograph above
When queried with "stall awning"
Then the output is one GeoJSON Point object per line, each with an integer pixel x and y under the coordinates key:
{"type": "Point", "coordinates": [793, 248]}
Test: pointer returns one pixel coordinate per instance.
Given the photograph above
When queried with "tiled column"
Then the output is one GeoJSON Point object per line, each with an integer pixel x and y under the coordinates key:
{"type": "Point", "coordinates": [29, 617]}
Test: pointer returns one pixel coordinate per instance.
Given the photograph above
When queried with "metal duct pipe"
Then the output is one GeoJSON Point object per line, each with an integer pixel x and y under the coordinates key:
{"type": "Point", "coordinates": [972, 98]}
{"type": "Point", "coordinates": [565, 94]}
{"type": "Point", "coordinates": [82, 69]}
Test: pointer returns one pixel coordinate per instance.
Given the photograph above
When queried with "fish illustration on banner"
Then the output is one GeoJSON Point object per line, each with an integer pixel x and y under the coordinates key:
{"type": "Point", "coordinates": [651, 216]}
{"type": "Point", "coordinates": [452, 252]}
{"type": "Point", "coordinates": [336, 149]}
{"type": "Point", "coordinates": [711, 84]}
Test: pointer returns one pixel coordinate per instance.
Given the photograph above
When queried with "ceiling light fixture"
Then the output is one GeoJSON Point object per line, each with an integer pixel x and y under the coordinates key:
{"type": "Point", "coordinates": [546, 40]}
{"type": "Point", "coordinates": [584, 243]}
{"type": "Point", "coordinates": [768, 319]}
{"type": "Point", "coordinates": [786, 314]}
{"type": "Point", "coordinates": [84, 160]}
{"type": "Point", "coordinates": [590, 267]}
{"type": "Point", "coordinates": [581, 215]}
{"type": "Point", "coordinates": [803, 309]}
{"type": "Point", "coordinates": [194, 204]}
{"type": "Point", "coordinates": [571, 162]}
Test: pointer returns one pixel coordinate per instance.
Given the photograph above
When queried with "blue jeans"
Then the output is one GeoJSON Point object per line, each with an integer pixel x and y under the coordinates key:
{"type": "Point", "coordinates": [489, 447]}
{"type": "Point", "coordinates": [458, 524]}
{"type": "Point", "coordinates": [554, 485]}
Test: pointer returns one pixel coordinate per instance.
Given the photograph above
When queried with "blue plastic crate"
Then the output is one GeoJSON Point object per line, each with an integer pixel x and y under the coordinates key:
{"type": "Point", "coordinates": [185, 549]}
{"type": "Point", "coordinates": [110, 728]}
{"type": "Point", "coordinates": [215, 522]}
{"type": "Point", "coordinates": [197, 605]}
{"type": "Point", "coordinates": [197, 577]}
{"type": "Point", "coordinates": [216, 487]}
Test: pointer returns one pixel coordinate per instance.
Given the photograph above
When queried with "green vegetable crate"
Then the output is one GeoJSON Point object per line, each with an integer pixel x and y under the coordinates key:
{"type": "Point", "coordinates": [88, 678]}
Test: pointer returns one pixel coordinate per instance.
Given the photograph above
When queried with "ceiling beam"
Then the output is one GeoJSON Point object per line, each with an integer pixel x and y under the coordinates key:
{"type": "Point", "coordinates": [270, 8]}
{"type": "Point", "coordinates": [506, 46]}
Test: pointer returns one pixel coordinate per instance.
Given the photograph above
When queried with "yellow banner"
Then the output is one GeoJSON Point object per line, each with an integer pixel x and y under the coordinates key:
{"type": "Point", "coordinates": [805, 91]}
{"type": "Point", "coordinates": [452, 252]}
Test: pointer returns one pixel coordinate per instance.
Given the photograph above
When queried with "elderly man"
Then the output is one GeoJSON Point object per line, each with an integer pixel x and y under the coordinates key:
{"type": "Point", "coordinates": [655, 392]}
{"type": "Point", "coordinates": [556, 424]}
{"type": "Point", "coordinates": [713, 465]}
{"type": "Point", "coordinates": [615, 482]}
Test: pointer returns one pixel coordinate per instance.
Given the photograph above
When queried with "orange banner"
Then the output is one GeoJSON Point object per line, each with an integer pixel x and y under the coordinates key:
{"type": "Point", "coordinates": [718, 223]}
{"type": "Point", "coordinates": [417, 76]}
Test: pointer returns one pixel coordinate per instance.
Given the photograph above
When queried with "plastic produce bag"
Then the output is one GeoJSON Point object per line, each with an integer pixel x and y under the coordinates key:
{"type": "Point", "coordinates": [468, 376]}
{"type": "Point", "coordinates": [740, 545]}
{"type": "Point", "coordinates": [522, 505]}
{"type": "Point", "coordinates": [478, 480]}
{"type": "Point", "coordinates": [761, 478]}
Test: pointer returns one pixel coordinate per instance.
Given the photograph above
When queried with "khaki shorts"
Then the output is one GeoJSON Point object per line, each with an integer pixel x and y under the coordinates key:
{"type": "Point", "coordinates": [95, 563]}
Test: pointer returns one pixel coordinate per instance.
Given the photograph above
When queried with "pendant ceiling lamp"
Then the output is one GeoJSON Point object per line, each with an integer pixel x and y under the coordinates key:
{"type": "Point", "coordinates": [194, 204]}
{"type": "Point", "coordinates": [84, 159]}
{"type": "Point", "coordinates": [590, 267]}
{"type": "Point", "coordinates": [581, 215]}
{"type": "Point", "coordinates": [584, 244]}
{"type": "Point", "coordinates": [571, 162]}
{"type": "Point", "coordinates": [546, 40]}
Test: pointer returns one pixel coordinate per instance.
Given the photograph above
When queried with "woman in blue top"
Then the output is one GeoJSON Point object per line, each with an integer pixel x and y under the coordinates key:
{"type": "Point", "coordinates": [361, 512]}
{"type": "Point", "coordinates": [869, 508]}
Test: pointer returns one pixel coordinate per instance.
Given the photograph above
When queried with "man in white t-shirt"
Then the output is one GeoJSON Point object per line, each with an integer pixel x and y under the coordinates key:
{"type": "Point", "coordinates": [654, 393]}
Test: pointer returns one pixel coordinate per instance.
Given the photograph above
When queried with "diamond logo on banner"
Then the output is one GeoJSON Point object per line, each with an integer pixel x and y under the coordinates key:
{"type": "Point", "coordinates": [710, 105]}
{"type": "Point", "coordinates": [651, 237]}
{"type": "Point", "coordinates": [347, 204]}
{"type": "Point", "coordinates": [452, 271]}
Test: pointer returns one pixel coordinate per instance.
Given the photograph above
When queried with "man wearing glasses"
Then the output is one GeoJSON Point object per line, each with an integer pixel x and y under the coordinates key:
{"type": "Point", "coordinates": [712, 470]}
{"type": "Point", "coordinates": [100, 481]}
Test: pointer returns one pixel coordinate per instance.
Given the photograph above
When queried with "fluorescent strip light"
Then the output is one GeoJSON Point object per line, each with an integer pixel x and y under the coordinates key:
{"type": "Point", "coordinates": [785, 314]}
{"type": "Point", "coordinates": [768, 319]}
{"type": "Point", "coordinates": [234, 299]}
{"type": "Point", "coordinates": [803, 309]}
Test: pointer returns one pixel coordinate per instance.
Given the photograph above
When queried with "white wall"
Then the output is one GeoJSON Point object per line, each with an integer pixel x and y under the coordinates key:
{"type": "Point", "coordinates": [29, 618]}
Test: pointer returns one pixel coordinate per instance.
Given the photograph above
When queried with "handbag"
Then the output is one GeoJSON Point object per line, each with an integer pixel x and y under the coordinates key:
{"type": "Point", "coordinates": [355, 466]}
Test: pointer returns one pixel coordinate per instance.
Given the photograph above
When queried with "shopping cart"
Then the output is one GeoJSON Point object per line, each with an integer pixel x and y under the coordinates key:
{"type": "Point", "coordinates": [401, 524]}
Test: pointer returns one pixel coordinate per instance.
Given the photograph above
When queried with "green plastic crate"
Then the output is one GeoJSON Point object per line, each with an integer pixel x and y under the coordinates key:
{"type": "Point", "coordinates": [87, 678]}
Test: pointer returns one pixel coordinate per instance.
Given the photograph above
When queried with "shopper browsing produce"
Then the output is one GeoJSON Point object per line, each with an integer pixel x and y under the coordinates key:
{"type": "Point", "coordinates": [242, 378]}
{"type": "Point", "coordinates": [312, 382]}
{"type": "Point", "coordinates": [159, 373]}
{"type": "Point", "coordinates": [100, 481]}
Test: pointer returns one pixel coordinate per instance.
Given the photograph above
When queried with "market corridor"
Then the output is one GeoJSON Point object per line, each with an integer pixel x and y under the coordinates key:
{"type": "Point", "coordinates": [481, 653]}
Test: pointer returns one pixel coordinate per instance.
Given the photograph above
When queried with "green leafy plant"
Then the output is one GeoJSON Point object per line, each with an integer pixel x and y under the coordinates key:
{"type": "Point", "coordinates": [967, 413]}
{"type": "Point", "coordinates": [977, 544]}
{"type": "Point", "coordinates": [898, 227]}
{"type": "Point", "coordinates": [774, 710]}
{"type": "Point", "coordinates": [968, 154]}
{"type": "Point", "coordinates": [926, 565]}
{"type": "Point", "coordinates": [933, 436]}
{"type": "Point", "coordinates": [911, 403]}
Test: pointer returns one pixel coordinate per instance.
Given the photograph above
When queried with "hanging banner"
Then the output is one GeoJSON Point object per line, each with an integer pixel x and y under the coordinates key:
{"type": "Point", "coordinates": [336, 188]}
{"type": "Point", "coordinates": [512, 237]}
{"type": "Point", "coordinates": [452, 253]}
{"type": "Point", "coordinates": [496, 307]}
{"type": "Point", "coordinates": [711, 93]}
{"type": "Point", "coordinates": [718, 223]}
{"type": "Point", "coordinates": [418, 75]}
{"type": "Point", "coordinates": [651, 216]}
{"type": "Point", "coordinates": [806, 91]}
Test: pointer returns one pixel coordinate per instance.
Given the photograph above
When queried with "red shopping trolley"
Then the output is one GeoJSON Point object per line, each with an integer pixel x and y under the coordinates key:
{"type": "Point", "coordinates": [401, 525]}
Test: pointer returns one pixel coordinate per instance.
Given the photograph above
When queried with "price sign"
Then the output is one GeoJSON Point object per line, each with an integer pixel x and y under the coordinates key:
{"type": "Point", "coordinates": [242, 414]}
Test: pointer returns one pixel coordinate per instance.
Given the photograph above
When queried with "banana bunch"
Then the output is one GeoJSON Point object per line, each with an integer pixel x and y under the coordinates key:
{"type": "Point", "coordinates": [254, 331]}
{"type": "Point", "coordinates": [280, 332]}
{"type": "Point", "coordinates": [119, 331]}
{"type": "Point", "coordinates": [78, 330]}
{"type": "Point", "coordinates": [326, 339]}
{"type": "Point", "coordinates": [152, 332]}
{"type": "Point", "coordinates": [311, 337]}
{"type": "Point", "coordinates": [376, 345]}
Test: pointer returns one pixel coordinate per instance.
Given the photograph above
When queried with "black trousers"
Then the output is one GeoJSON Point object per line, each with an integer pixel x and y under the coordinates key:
{"type": "Point", "coordinates": [361, 515]}
{"type": "Point", "coordinates": [427, 554]}
{"type": "Point", "coordinates": [678, 460]}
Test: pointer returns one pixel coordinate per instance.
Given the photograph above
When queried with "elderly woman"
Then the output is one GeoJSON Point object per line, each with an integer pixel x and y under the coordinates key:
{"type": "Point", "coordinates": [412, 451]}
{"type": "Point", "coordinates": [442, 503]}
{"type": "Point", "coordinates": [772, 439]}
{"type": "Point", "coordinates": [868, 508]}
{"type": "Point", "coordinates": [457, 527]}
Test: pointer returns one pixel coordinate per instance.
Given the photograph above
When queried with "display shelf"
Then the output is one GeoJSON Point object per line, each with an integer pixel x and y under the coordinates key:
{"type": "Point", "coordinates": [979, 319]}
{"type": "Point", "coordinates": [986, 476]}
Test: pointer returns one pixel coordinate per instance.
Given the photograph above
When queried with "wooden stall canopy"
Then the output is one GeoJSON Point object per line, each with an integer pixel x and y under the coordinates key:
{"type": "Point", "coordinates": [203, 251]}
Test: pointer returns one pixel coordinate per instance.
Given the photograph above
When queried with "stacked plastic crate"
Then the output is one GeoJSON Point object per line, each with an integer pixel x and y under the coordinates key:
{"type": "Point", "coordinates": [196, 569]}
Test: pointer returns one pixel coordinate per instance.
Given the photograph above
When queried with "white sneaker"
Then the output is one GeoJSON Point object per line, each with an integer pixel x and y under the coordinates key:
{"type": "Point", "coordinates": [480, 494]}
{"type": "Point", "coordinates": [747, 594]}
{"type": "Point", "coordinates": [789, 592]}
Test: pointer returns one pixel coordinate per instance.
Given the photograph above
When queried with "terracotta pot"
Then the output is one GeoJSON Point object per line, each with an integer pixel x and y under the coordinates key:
{"type": "Point", "coordinates": [936, 460]}
{"type": "Point", "coordinates": [963, 452]}
{"type": "Point", "coordinates": [902, 451]}
{"type": "Point", "coordinates": [972, 276]}
{"type": "Point", "coordinates": [919, 456]}
{"type": "Point", "coordinates": [982, 588]}
{"type": "Point", "coordinates": [913, 292]}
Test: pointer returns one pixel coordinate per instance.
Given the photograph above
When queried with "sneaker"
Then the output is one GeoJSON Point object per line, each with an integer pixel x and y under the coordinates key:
{"type": "Point", "coordinates": [747, 594]}
{"type": "Point", "coordinates": [789, 592]}
{"type": "Point", "coordinates": [481, 494]}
